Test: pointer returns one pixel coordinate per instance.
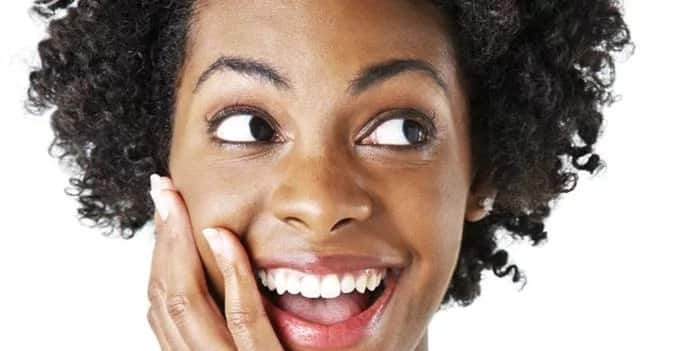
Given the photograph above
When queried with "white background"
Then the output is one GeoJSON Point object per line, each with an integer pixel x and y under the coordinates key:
{"type": "Point", "coordinates": [621, 270]}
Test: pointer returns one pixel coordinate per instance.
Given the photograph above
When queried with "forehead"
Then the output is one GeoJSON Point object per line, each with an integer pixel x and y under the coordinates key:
{"type": "Point", "coordinates": [319, 40]}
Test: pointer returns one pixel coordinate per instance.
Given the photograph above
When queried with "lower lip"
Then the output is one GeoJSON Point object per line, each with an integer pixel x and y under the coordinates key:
{"type": "Point", "coordinates": [296, 331]}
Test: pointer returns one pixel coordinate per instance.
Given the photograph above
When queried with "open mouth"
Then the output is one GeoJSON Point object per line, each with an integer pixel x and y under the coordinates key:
{"type": "Point", "coordinates": [328, 311]}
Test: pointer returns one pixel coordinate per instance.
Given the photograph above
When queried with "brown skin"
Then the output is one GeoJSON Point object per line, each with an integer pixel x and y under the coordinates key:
{"type": "Point", "coordinates": [291, 196]}
{"type": "Point", "coordinates": [183, 314]}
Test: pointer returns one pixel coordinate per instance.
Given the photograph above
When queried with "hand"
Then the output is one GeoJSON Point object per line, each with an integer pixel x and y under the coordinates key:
{"type": "Point", "coordinates": [183, 314]}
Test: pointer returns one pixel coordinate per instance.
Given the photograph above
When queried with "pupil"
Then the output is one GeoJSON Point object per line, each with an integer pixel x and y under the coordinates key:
{"type": "Point", "coordinates": [260, 129]}
{"type": "Point", "coordinates": [413, 131]}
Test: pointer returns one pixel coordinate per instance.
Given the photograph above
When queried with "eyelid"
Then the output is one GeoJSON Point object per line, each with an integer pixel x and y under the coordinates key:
{"type": "Point", "coordinates": [427, 120]}
{"type": "Point", "coordinates": [215, 121]}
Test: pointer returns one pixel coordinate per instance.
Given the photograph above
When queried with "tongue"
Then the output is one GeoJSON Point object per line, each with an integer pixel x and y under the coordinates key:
{"type": "Point", "coordinates": [325, 311]}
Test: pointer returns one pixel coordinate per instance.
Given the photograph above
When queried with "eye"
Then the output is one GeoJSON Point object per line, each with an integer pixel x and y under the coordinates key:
{"type": "Point", "coordinates": [241, 125]}
{"type": "Point", "coordinates": [403, 130]}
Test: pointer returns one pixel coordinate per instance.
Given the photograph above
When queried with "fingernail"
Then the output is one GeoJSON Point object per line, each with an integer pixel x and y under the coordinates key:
{"type": "Point", "coordinates": [162, 204]}
{"type": "Point", "coordinates": [155, 182]}
{"type": "Point", "coordinates": [215, 243]}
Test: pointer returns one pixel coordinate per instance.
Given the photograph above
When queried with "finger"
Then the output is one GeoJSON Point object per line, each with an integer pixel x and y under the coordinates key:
{"type": "Point", "coordinates": [164, 328]}
{"type": "Point", "coordinates": [159, 262]}
{"type": "Point", "coordinates": [158, 267]}
{"type": "Point", "coordinates": [184, 268]}
{"type": "Point", "coordinates": [188, 303]}
{"type": "Point", "coordinates": [244, 309]}
{"type": "Point", "coordinates": [157, 327]}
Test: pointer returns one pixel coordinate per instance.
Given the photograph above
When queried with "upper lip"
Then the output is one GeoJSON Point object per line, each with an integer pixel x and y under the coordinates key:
{"type": "Point", "coordinates": [327, 264]}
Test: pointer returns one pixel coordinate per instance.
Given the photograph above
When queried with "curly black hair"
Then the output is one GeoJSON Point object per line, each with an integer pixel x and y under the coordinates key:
{"type": "Point", "coordinates": [540, 72]}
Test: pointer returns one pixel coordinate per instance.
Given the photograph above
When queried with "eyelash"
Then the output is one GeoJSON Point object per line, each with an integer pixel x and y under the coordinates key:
{"type": "Point", "coordinates": [426, 120]}
{"type": "Point", "coordinates": [214, 122]}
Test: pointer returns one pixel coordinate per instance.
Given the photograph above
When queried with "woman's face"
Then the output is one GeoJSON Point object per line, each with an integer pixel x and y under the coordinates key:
{"type": "Point", "coordinates": [320, 162]}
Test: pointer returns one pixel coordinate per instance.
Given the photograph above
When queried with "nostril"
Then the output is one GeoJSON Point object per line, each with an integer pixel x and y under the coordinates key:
{"type": "Point", "coordinates": [295, 222]}
{"type": "Point", "coordinates": [301, 225]}
{"type": "Point", "coordinates": [341, 223]}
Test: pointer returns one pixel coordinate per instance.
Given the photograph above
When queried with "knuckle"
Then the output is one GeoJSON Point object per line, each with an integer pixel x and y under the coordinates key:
{"type": "Point", "coordinates": [156, 288]}
{"type": "Point", "coordinates": [177, 307]}
{"type": "Point", "coordinates": [228, 271]}
{"type": "Point", "coordinates": [239, 317]}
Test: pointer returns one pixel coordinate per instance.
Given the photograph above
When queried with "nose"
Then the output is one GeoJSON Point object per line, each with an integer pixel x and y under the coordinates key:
{"type": "Point", "coordinates": [319, 194]}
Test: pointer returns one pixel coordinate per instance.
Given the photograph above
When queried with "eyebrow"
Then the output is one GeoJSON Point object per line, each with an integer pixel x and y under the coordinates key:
{"type": "Point", "coordinates": [245, 66]}
{"type": "Point", "coordinates": [366, 78]}
{"type": "Point", "coordinates": [382, 71]}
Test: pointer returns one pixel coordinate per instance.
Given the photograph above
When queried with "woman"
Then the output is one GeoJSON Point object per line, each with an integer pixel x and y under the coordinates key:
{"type": "Point", "coordinates": [325, 172]}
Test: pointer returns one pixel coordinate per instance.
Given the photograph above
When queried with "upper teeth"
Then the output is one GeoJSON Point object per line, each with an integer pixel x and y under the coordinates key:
{"type": "Point", "coordinates": [314, 285]}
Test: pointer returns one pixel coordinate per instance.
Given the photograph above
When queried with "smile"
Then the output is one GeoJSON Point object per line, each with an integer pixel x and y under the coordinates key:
{"type": "Point", "coordinates": [326, 306]}
{"type": "Point", "coordinates": [327, 286]}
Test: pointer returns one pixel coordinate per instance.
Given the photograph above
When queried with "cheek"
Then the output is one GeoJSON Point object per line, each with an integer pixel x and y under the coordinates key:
{"type": "Point", "coordinates": [431, 219]}
{"type": "Point", "coordinates": [223, 197]}
{"type": "Point", "coordinates": [217, 196]}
